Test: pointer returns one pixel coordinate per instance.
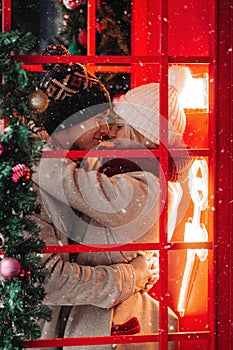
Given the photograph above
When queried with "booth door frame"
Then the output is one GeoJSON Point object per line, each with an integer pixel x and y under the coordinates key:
{"type": "Point", "coordinates": [224, 176]}
{"type": "Point", "coordinates": [223, 170]}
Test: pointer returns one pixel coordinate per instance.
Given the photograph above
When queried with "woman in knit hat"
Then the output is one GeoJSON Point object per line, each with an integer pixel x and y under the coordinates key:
{"type": "Point", "coordinates": [140, 108]}
{"type": "Point", "coordinates": [71, 285]}
{"type": "Point", "coordinates": [137, 124]}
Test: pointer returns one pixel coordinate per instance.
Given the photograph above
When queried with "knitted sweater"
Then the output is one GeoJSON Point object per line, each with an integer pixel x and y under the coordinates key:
{"type": "Point", "coordinates": [97, 209]}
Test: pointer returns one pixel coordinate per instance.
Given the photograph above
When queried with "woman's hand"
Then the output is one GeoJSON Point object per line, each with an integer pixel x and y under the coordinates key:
{"type": "Point", "coordinates": [146, 268]}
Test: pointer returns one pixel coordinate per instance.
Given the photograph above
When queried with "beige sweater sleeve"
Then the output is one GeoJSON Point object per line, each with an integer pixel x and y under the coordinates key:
{"type": "Point", "coordinates": [109, 201]}
{"type": "Point", "coordinates": [102, 286]}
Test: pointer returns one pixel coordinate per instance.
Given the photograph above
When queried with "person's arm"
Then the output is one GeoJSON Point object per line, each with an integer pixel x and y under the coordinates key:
{"type": "Point", "coordinates": [102, 286]}
{"type": "Point", "coordinates": [106, 200]}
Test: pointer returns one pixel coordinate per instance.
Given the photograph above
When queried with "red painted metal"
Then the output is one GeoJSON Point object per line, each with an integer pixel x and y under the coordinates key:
{"type": "Point", "coordinates": [111, 59]}
{"type": "Point", "coordinates": [212, 171]}
{"type": "Point", "coordinates": [145, 42]}
{"type": "Point", "coordinates": [91, 28]}
{"type": "Point", "coordinates": [125, 247]}
{"type": "Point", "coordinates": [197, 336]}
{"type": "Point", "coordinates": [163, 151]}
{"type": "Point", "coordinates": [6, 27]}
{"type": "Point", "coordinates": [191, 25]}
{"type": "Point", "coordinates": [105, 68]}
{"type": "Point", "coordinates": [109, 153]}
{"type": "Point", "coordinates": [219, 150]}
{"type": "Point", "coordinates": [224, 177]}
{"type": "Point", "coordinates": [6, 15]}
{"type": "Point", "coordinates": [92, 340]}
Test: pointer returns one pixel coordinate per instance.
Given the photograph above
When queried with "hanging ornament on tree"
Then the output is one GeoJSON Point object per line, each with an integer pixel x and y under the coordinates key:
{"type": "Point", "coordinates": [66, 20]}
{"type": "Point", "coordinates": [24, 273]}
{"type": "Point", "coordinates": [38, 101]}
{"type": "Point", "coordinates": [9, 267]}
{"type": "Point", "coordinates": [20, 171]}
{"type": "Point", "coordinates": [2, 149]}
{"type": "Point", "coordinates": [82, 37]}
{"type": "Point", "coordinates": [74, 50]}
{"type": "Point", "coordinates": [72, 4]}
{"type": "Point", "coordinates": [2, 240]}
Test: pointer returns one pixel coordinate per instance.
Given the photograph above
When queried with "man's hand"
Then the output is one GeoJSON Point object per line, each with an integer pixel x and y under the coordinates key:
{"type": "Point", "coordinates": [146, 270]}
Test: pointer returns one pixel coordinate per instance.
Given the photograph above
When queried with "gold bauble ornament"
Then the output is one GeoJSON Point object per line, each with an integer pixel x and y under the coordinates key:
{"type": "Point", "coordinates": [38, 101]}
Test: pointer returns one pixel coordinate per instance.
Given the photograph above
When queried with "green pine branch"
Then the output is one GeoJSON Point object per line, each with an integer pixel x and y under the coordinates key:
{"type": "Point", "coordinates": [21, 297]}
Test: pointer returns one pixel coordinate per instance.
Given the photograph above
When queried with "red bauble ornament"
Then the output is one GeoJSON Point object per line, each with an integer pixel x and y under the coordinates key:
{"type": "Point", "coordinates": [2, 149]}
{"type": "Point", "coordinates": [24, 273]}
{"type": "Point", "coordinates": [72, 4]}
{"type": "Point", "coordinates": [9, 268]}
{"type": "Point", "coordinates": [20, 171]}
{"type": "Point", "coordinates": [82, 37]}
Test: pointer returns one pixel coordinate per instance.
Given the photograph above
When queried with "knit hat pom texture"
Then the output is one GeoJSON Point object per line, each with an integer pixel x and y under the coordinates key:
{"type": "Point", "coordinates": [140, 107]}
{"type": "Point", "coordinates": [71, 90]}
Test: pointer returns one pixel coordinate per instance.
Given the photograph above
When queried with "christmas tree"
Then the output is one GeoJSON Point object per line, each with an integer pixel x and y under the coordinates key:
{"type": "Point", "coordinates": [21, 270]}
{"type": "Point", "coordinates": [113, 21]}
{"type": "Point", "coordinates": [112, 26]}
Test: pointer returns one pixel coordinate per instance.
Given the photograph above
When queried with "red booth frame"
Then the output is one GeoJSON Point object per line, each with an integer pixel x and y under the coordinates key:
{"type": "Point", "coordinates": [221, 334]}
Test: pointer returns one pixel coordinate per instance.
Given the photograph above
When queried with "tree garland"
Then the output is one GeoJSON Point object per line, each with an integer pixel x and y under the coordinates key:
{"type": "Point", "coordinates": [21, 271]}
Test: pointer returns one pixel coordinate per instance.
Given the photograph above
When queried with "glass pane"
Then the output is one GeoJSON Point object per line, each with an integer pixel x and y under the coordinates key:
{"type": "Point", "coordinates": [190, 271]}
{"type": "Point", "coordinates": [71, 26]}
{"type": "Point", "coordinates": [57, 22]}
{"type": "Point", "coordinates": [113, 27]}
{"type": "Point", "coordinates": [195, 100]}
{"type": "Point", "coordinates": [116, 83]}
{"type": "Point", "coordinates": [37, 17]}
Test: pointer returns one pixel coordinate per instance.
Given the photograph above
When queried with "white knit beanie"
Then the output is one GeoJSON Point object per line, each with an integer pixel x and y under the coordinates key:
{"type": "Point", "coordinates": [140, 107]}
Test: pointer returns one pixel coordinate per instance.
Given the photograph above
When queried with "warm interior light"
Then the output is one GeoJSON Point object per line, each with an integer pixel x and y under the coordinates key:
{"type": "Point", "coordinates": [195, 231]}
{"type": "Point", "coordinates": [195, 94]}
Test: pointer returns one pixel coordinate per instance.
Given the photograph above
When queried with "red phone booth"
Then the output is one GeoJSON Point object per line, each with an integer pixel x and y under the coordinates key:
{"type": "Point", "coordinates": [196, 264]}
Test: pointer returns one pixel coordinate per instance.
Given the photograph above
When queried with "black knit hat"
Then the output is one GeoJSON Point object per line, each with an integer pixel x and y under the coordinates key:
{"type": "Point", "coordinates": [71, 91]}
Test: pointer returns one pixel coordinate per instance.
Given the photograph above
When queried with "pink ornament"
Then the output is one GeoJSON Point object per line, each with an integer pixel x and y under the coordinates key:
{"type": "Point", "coordinates": [66, 20]}
{"type": "Point", "coordinates": [24, 273]}
{"type": "Point", "coordinates": [9, 268]}
{"type": "Point", "coordinates": [72, 4]}
{"type": "Point", "coordinates": [2, 149]}
{"type": "Point", "coordinates": [20, 171]}
{"type": "Point", "coordinates": [82, 37]}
